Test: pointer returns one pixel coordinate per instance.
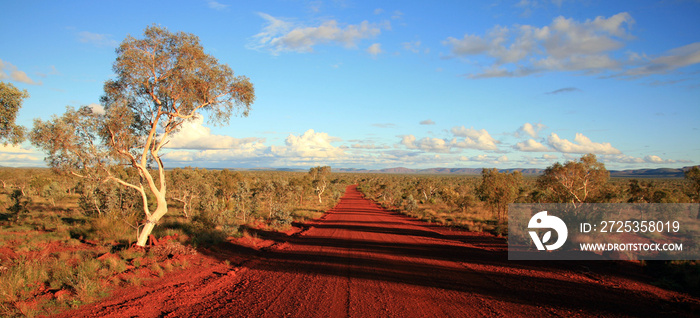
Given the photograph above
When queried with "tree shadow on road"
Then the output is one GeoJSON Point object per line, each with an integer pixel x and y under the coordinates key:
{"type": "Point", "coordinates": [394, 250]}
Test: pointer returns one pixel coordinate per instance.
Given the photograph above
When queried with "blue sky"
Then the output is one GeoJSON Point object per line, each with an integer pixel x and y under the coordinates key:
{"type": "Point", "coordinates": [377, 84]}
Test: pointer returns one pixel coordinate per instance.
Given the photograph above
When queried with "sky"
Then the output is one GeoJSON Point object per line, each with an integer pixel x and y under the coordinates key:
{"type": "Point", "coordinates": [381, 84]}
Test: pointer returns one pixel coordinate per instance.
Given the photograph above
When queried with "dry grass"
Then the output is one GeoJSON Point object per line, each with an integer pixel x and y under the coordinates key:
{"type": "Point", "coordinates": [477, 218]}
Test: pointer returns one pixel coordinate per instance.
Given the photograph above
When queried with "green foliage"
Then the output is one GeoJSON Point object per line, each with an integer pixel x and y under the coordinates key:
{"type": "Point", "coordinates": [318, 179]}
{"type": "Point", "coordinates": [281, 219]}
{"type": "Point", "coordinates": [24, 279]}
{"type": "Point", "coordinates": [114, 226]}
{"type": "Point", "coordinates": [499, 190]}
{"type": "Point", "coordinates": [150, 99]}
{"type": "Point", "coordinates": [410, 204]}
{"type": "Point", "coordinates": [202, 235]}
{"type": "Point", "coordinates": [469, 201]}
{"type": "Point", "coordinates": [18, 206]}
{"type": "Point", "coordinates": [53, 192]}
{"type": "Point", "coordinates": [11, 99]}
{"type": "Point", "coordinates": [448, 200]}
{"type": "Point", "coordinates": [21, 280]}
{"type": "Point", "coordinates": [106, 229]}
{"type": "Point", "coordinates": [574, 182]}
{"type": "Point", "coordinates": [693, 176]}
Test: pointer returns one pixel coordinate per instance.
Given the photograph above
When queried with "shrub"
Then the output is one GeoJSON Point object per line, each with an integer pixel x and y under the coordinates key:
{"type": "Point", "coordinates": [281, 218]}
{"type": "Point", "coordinates": [21, 279]}
{"type": "Point", "coordinates": [19, 204]}
{"type": "Point", "coordinates": [410, 204]}
{"type": "Point", "coordinates": [87, 288]}
{"type": "Point", "coordinates": [156, 269]}
{"type": "Point", "coordinates": [115, 265]}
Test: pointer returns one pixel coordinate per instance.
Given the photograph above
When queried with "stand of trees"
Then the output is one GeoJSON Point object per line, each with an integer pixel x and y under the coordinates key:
{"type": "Point", "coordinates": [213, 197]}
{"type": "Point", "coordinates": [464, 200]}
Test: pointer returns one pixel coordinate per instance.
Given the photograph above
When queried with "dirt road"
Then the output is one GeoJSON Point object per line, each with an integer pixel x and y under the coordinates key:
{"type": "Point", "coordinates": [360, 260]}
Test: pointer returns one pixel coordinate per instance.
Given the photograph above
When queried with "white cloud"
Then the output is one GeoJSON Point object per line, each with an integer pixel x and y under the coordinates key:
{"type": "Point", "coordinates": [309, 145]}
{"type": "Point", "coordinates": [671, 60]}
{"type": "Point", "coordinates": [14, 149]}
{"type": "Point", "coordinates": [473, 139]}
{"type": "Point", "coordinates": [433, 145]}
{"type": "Point", "coordinates": [486, 158]}
{"type": "Point", "coordinates": [368, 146]}
{"type": "Point", "coordinates": [657, 159]}
{"type": "Point", "coordinates": [427, 122]}
{"type": "Point", "coordinates": [310, 148]}
{"type": "Point", "coordinates": [194, 135]}
{"type": "Point", "coordinates": [648, 159]}
{"type": "Point", "coordinates": [581, 145]}
{"type": "Point", "coordinates": [216, 5]}
{"type": "Point", "coordinates": [282, 36]}
{"type": "Point", "coordinates": [412, 46]}
{"type": "Point", "coordinates": [566, 37]}
{"type": "Point", "coordinates": [564, 45]}
{"type": "Point", "coordinates": [409, 141]}
{"type": "Point", "coordinates": [530, 129]}
{"type": "Point", "coordinates": [16, 160]}
{"type": "Point", "coordinates": [469, 45]}
{"type": "Point", "coordinates": [549, 157]}
{"type": "Point", "coordinates": [425, 144]}
{"type": "Point", "coordinates": [10, 72]}
{"type": "Point", "coordinates": [531, 145]}
{"type": "Point", "coordinates": [17, 156]}
{"type": "Point", "coordinates": [97, 39]}
{"type": "Point", "coordinates": [375, 49]}
{"type": "Point", "coordinates": [244, 153]}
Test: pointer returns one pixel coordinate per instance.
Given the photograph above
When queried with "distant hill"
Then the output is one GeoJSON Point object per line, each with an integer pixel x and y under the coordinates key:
{"type": "Point", "coordinates": [651, 173]}
{"type": "Point", "coordinates": [636, 173]}
{"type": "Point", "coordinates": [465, 171]}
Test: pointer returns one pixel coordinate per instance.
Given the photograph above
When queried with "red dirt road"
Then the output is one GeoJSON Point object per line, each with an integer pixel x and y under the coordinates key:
{"type": "Point", "coordinates": [360, 260]}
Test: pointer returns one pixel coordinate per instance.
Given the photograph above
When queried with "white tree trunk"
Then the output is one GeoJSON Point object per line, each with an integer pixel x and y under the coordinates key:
{"type": "Point", "coordinates": [161, 210]}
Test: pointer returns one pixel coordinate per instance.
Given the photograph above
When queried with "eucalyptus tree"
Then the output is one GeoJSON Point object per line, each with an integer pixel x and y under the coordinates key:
{"type": "Point", "coordinates": [500, 189]}
{"type": "Point", "coordinates": [10, 102]}
{"type": "Point", "coordinates": [186, 186]}
{"type": "Point", "coordinates": [300, 186]}
{"type": "Point", "coordinates": [693, 176]}
{"type": "Point", "coordinates": [227, 183]}
{"type": "Point", "coordinates": [243, 198]}
{"type": "Point", "coordinates": [574, 182]}
{"type": "Point", "coordinates": [162, 80]}
{"type": "Point", "coordinates": [318, 179]}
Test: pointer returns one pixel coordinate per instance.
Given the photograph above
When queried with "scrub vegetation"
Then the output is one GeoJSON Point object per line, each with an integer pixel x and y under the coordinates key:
{"type": "Point", "coordinates": [479, 203]}
{"type": "Point", "coordinates": [65, 241]}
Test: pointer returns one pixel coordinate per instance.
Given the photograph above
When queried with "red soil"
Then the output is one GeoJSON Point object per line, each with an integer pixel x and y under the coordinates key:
{"type": "Point", "coordinates": [360, 260]}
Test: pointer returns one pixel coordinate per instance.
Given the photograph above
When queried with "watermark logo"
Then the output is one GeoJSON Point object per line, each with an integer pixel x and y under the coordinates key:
{"type": "Point", "coordinates": [597, 231]}
{"type": "Point", "coordinates": [543, 221]}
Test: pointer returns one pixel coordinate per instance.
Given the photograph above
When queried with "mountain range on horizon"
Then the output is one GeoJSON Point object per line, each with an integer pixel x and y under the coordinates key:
{"type": "Point", "coordinates": [632, 173]}
{"type": "Point", "coordinates": [629, 173]}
